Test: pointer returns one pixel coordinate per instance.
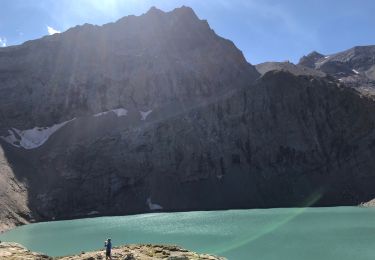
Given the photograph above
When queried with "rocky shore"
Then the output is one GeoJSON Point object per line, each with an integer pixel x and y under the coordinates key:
{"type": "Point", "coordinates": [129, 252]}
{"type": "Point", "coordinates": [368, 204]}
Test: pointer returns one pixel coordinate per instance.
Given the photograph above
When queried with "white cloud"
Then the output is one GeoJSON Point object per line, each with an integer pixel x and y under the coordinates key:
{"type": "Point", "coordinates": [3, 42]}
{"type": "Point", "coordinates": [51, 30]}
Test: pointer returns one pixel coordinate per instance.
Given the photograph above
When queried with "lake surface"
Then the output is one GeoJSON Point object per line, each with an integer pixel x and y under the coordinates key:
{"type": "Point", "coordinates": [312, 233]}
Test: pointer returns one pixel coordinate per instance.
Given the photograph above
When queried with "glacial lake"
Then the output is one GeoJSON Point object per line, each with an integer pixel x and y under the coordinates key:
{"type": "Point", "coordinates": [343, 233]}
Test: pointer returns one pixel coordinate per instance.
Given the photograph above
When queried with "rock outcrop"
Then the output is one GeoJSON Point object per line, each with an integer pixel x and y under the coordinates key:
{"type": "Point", "coordinates": [13, 251]}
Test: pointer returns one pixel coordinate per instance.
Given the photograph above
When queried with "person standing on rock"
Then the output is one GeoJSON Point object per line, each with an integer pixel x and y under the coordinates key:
{"type": "Point", "coordinates": [108, 248]}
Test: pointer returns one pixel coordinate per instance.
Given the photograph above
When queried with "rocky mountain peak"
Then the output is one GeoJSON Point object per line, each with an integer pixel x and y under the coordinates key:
{"type": "Point", "coordinates": [143, 61]}
{"type": "Point", "coordinates": [177, 11]}
{"type": "Point", "coordinates": [310, 59]}
{"type": "Point", "coordinates": [186, 11]}
{"type": "Point", "coordinates": [315, 55]}
{"type": "Point", "coordinates": [184, 14]}
{"type": "Point", "coordinates": [154, 10]}
{"type": "Point", "coordinates": [354, 67]}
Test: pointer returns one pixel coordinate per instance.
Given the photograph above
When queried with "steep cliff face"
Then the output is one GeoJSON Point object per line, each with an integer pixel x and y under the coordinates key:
{"type": "Point", "coordinates": [158, 112]}
{"type": "Point", "coordinates": [274, 144]}
{"type": "Point", "coordinates": [284, 141]}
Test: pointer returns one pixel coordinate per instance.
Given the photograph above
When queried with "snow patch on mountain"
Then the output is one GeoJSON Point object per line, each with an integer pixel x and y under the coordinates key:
{"type": "Point", "coordinates": [355, 71]}
{"type": "Point", "coordinates": [32, 138]}
{"type": "Point", "coordinates": [119, 112]}
{"type": "Point", "coordinates": [144, 115]}
{"type": "Point", "coordinates": [153, 206]}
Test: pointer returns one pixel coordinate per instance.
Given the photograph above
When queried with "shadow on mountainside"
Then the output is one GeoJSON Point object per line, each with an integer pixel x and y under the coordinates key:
{"type": "Point", "coordinates": [285, 141]}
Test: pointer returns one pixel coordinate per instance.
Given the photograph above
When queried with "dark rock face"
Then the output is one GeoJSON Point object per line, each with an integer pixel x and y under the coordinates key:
{"type": "Point", "coordinates": [198, 131]}
{"type": "Point", "coordinates": [274, 144]}
{"type": "Point", "coordinates": [285, 141]}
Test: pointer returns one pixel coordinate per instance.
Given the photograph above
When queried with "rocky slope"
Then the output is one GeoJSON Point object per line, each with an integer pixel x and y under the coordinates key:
{"type": "Point", "coordinates": [13, 196]}
{"type": "Point", "coordinates": [130, 252]}
{"type": "Point", "coordinates": [297, 70]}
{"type": "Point", "coordinates": [354, 67]}
{"type": "Point", "coordinates": [157, 112]}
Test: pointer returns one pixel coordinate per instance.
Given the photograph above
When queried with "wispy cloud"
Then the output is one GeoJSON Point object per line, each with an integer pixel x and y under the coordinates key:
{"type": "Point", "coordinates": [3, 42]}
{"type": "Point", "coordinates": [52, 30]}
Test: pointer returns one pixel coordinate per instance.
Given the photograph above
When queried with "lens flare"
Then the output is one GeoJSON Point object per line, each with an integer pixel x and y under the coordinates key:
{"type": "Point", "coordinates": [311, 200]}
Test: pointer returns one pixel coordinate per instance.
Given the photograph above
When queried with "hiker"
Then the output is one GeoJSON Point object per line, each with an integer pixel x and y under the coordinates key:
{"type": "Point", "coordinates": [108, 248]}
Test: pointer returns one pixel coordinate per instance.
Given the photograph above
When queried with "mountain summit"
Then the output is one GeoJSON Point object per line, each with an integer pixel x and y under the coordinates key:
{"type": "Point", "coordinates": [144, 61]}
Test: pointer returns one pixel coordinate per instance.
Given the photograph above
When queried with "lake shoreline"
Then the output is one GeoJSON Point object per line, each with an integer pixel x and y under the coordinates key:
{"type": "Point", "coordinates": [369, 204]}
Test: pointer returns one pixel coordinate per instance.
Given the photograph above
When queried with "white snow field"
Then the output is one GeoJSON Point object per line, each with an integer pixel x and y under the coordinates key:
{"type": "Point", "coordinates": [32, 138]}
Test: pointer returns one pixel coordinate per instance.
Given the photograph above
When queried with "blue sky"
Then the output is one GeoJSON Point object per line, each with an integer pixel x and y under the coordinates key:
{"type": "Point", "coordinates": [265, 30]}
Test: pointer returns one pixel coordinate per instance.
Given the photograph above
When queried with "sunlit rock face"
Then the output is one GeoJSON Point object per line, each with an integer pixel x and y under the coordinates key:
{"type": "Point", "coordinates": [157, 112]}
{"type": "Point", "coordinates": [13, 195]}
{"type": "Point", "coordinates": [143, 62]}
{"type": "Point", "coordinates": [354, 67]}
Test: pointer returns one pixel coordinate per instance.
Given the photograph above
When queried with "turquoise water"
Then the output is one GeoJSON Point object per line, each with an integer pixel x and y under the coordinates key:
{"type": "Point", "coordinates": [343, 233]}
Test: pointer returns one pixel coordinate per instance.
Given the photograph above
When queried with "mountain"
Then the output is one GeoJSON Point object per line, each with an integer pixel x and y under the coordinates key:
{"type": "Point", "coordinates": [311, 59]}
{"type": "Point", "coordinates": [157, 112]}
{"type": "Point", "coordinates": [354, 67]}
{"type": "Point", "coordinates": [63, 93]}
{"type": "Point", "coordinates": [144, 62]}
{"type": "Point", "coordinates": [297, 70]}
